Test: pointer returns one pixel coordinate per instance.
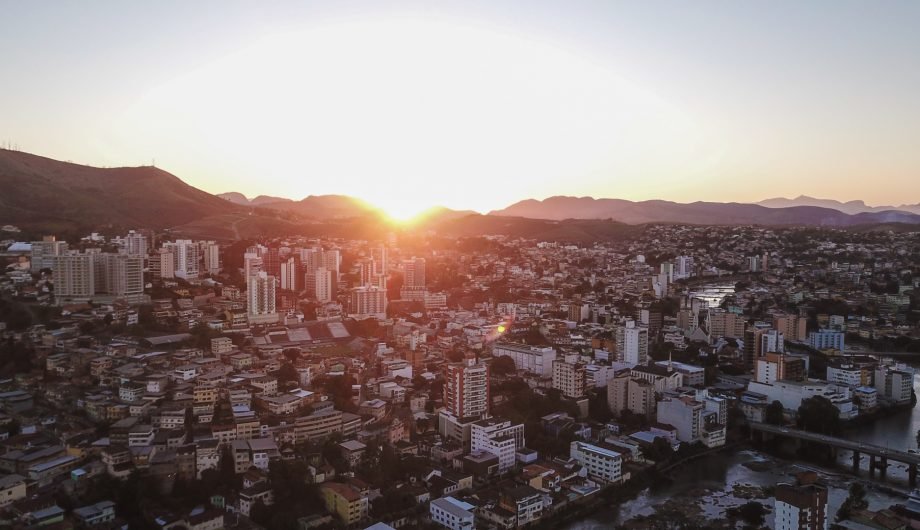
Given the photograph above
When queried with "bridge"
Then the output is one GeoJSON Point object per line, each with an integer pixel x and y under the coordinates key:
{"type": "Point", "coordinates": [878, 455]}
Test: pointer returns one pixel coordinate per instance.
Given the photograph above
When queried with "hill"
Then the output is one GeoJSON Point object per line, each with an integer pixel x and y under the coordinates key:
{"type": "Point", "coordinates": [559, 208]}
{"type": "Point", "coordinates": [38, 193]}
{"type": "Point", "coordinates": [569, 230]}
{"type": "Point", "coordinates": [242, 200]}
{"type": "Point", "coordinates": [326, 207]}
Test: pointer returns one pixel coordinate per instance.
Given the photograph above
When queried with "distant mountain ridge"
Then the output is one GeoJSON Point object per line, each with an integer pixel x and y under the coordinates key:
{"type": "Point", "coordinates": [657, 211]}
{"type": "Point", "coordinates": [45, 196]}
{"type": "Point", "coordinates": [850, 207]}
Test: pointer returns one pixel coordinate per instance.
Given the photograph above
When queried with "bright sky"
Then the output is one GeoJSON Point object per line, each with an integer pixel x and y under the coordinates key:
{"type": "Point", "coordinates": [476, 104]}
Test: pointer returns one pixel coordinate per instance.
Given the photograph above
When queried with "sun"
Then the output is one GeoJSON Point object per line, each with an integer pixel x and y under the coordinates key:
{"type": "Point", "coordinates": [406, 112]}
{"type": "Point", "coordinates": [400, 209]}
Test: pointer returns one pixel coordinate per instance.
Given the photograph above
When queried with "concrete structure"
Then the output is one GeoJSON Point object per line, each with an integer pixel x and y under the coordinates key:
{"type": "Point", "coordinates": [466, 389]}
{"type": "Point", "coordinates": [826, 339]}
{"type": "Point", "coordinates": [601, 464]}
{"type": "Point", "coordinates": [632, 344]}
{"type": "Point", "coordinates": [453, 513]}
{"type": "Point", "coordinates": [528, 358]}
{"type": "Point", "coordinates": [800, 507]}
{"type": "Point", "coordinates": [261, 299]}
{"type": "Point", "coordinates": [569, 378]}
{"type": "Point", "coordinates": [499, 437]}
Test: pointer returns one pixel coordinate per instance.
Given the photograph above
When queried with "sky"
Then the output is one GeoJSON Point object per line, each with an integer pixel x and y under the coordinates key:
{"type": "Point", "coordinates": [476, 104]}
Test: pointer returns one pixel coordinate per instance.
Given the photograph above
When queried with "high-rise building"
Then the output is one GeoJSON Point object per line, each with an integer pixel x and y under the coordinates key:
{"type": "Point", "coordinates": [569, 378]}
{"type": "Point", "coordinates": [122, 276]}
{"type": "Point", "coordinates": [167, 263]}
{"type": "Point", "coordinates": [74, 277]}
{"type": "Point", "coordinates": [632, 344]}
{"type": "Point", "coordinates": [136, 244]}
{"type": "Point", "coordinates": [683, 268]}
{"type": "Point", "coordinates": [414, 273]}
{"type": "Point", "coordinates": [186, 258]}
{"type": "Point", "coordinates": [324, 284]}
{"type": "Point", "coordinates": [98, 276]}
{"type": "Point", "coordinates": [291, 274]}
{"type": "Point", "coordinates": [625, 392]}
{"type": "Point", "coordinates": [261, 299]}
{"type": "Point", "coordinates": [726, 324]}
{"type": "Point", "coordinates": [211, 252]}
{"type": "Point", "coordinates": [792, 327]}
{"type": "Point", "coordinates": [754, 343]}
{"type": "Point", "coordinates": [368, 302]}
{"type": "Point", "coordinates": [332, 261]}
{"type": "Point", "coordinates": [252, 264]}
{"type": "Point", "coordinates": [44, 252]}
{"type": "Point", "coordinates": [800, 507]}
{"type": "Point", "coordinates": [466, 389]}
{"type": "Point", "coordinates": [775, 366]}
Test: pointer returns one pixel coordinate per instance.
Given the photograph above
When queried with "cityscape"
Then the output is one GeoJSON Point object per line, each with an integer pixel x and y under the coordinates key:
{"type": "Point", "coordinates": [334, 330]}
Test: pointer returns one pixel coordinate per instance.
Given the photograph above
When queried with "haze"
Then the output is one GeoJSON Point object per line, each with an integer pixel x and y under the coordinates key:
{"type": "Point", "coordinates": [477, 105]}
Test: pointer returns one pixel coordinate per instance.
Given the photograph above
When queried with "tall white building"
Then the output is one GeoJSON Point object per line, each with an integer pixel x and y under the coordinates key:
{"type": "Point", "coordinates": [290, 274]}
{"type": "Point", "coordinates": [74, 278]}
{"type": "Point", "coordinates": [98, 276]}
{"type": "Point", "coordinates": [324, 288]}
{"type": "Point", "coordinates": [252, 264]}
{"type": "Point", "coordinates": [414, 273]}
{"type": "Point", "coordinates": [261, 299]}
{"type": "Point", "coordinates": [632, 344]}
{"type": "Point", "coordinates": [211, 252]}
{"type": "Point", "coordinates": [44, 252]}
{"type": "Point", "coordinates": [136, 244]}
{"type": "Point", "coordinates": [683, 267]}
{"type": "Point", "coordinates": [499, 437]}
{"type": "Point", "coordinates": [369, 302]}
{"type": "Point", "coordinates": [186, 258]}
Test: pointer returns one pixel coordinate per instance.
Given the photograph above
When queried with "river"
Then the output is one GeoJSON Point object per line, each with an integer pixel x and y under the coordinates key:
{"type": "Point", "coordinates": [705, 488]}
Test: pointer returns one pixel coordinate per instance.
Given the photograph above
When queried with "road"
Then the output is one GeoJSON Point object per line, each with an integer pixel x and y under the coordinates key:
{"type": "Point", "coordinates": [842, 443]}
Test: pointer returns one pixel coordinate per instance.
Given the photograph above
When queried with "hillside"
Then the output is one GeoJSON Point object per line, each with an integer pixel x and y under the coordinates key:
{"type": "Point", "coordinates": [38, 193]}
{"type": "Point", "coordinates": [559, 208]}
{"type": "Point", "coordinates": [570, 230]}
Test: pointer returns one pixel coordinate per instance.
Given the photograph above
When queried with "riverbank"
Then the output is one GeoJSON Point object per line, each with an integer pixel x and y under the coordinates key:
{"type": "Point", "coordinates": [704, 492]}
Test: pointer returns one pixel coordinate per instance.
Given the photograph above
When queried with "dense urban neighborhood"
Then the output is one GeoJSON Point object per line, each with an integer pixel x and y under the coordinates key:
{"type": "Point", "coordinates": [423, 381]}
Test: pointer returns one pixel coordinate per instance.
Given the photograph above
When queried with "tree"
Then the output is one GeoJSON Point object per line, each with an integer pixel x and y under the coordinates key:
{"type": "Point", "coordinates": [856, 500]}
{"type": "Point", "coordinates": [818, 414]}
{"type": "Point", "coordinates": [287, 372]}
{"type": "Point", "coordinates": [657, 451]}
{"type": "Point", "coordinates": [503, 365]}
{"type": "Point", "coordinates": [752, 513]}
{"type": "Point", "coordinates": [774, 414]}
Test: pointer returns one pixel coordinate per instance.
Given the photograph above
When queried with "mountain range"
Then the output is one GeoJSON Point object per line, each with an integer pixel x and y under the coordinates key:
{"type": "Point", "coordinates": [657, 211]}
{"type": "Point", "coordinates": [42, 195]}
{"type": "Point", "coordinates": [850, 207]}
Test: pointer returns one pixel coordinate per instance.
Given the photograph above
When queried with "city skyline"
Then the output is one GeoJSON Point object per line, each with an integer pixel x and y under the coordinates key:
{"type": "Point", "coordinates": [504, 104]}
